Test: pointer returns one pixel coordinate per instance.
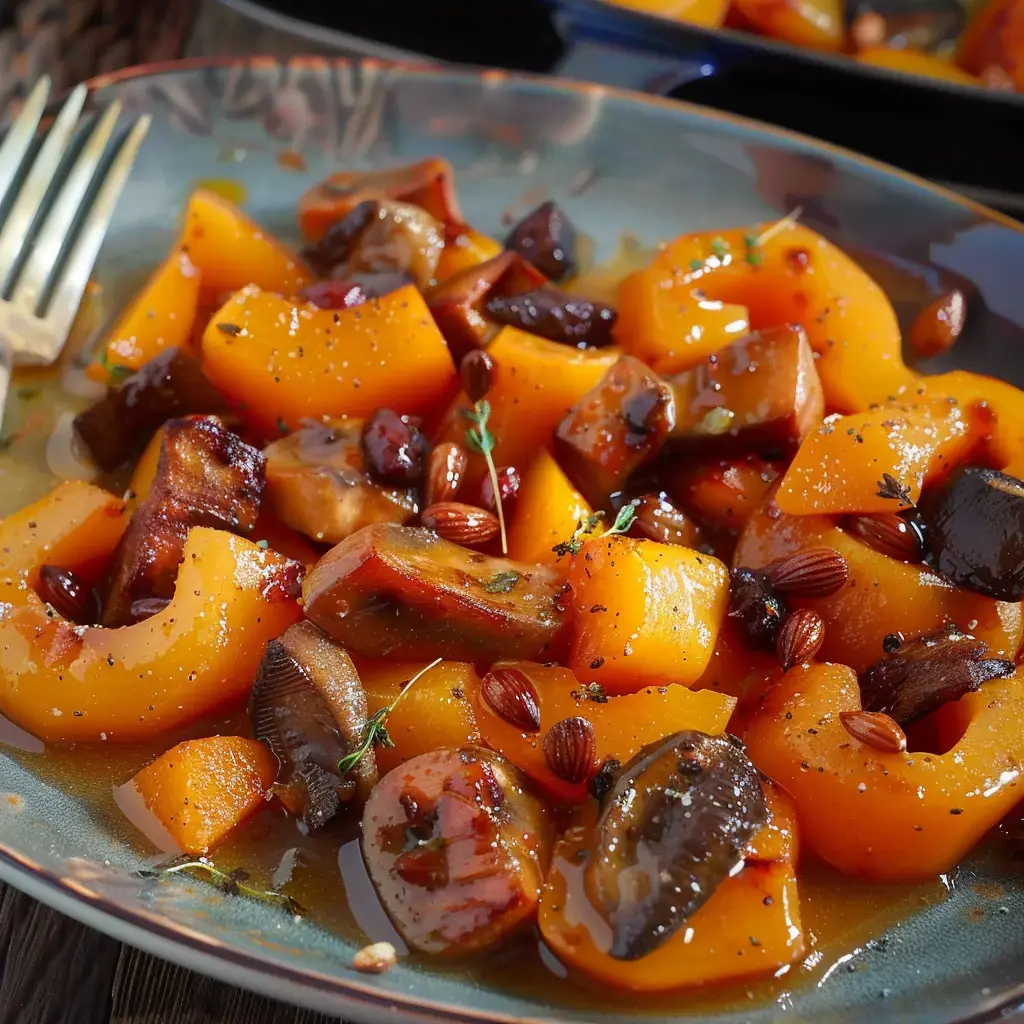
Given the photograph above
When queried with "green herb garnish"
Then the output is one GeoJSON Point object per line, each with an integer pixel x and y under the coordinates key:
{"type": "Point", "coordinates": [502, 582]}
{"type": "Point", "coordinates": [480, 440]}
{"type": "Point", "coordinates": [585, 527]}
{"type": "Point", "coordinates": [375, 732]}
{"type": "Point", "coordinates": [230, 882]}
{"type": "Point", "coordinates": [754, 243]}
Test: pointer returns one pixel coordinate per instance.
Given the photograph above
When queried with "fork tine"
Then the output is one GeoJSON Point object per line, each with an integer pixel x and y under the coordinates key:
{"type": "Point", "coordinates": [21, 133]}
{"type": "Point", "coordinates": [23, 213]}
{"type": "Point", "coordinates": [75, 275]}
{"type": "Point", "coordinates": [54, 232]}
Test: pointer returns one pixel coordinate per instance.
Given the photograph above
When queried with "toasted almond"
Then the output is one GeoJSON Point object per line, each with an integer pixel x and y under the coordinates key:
{"type": "Point", "coordinates": [462, 524]}
{"type": "Point", "coordinates": [445, 471]}
{"type": "Point", "coordinates": [875, 729]}
{"type": "Point", "coordinates": [816, 572]}
{"type": "Point", "coordinates": [570, 749]}
{"type": "Point", "coordinates": [376, 958]}
{"type": "Point", "coordinates": [939, 324]}
{"type": "Point", "coordinates": [889, 534]}
{"type": "Point", "coordinates": [800, 637]}
{"type": "Point", "coordinates": [509, 693]}
{"type": "Point", "coordinates": [477, 373]}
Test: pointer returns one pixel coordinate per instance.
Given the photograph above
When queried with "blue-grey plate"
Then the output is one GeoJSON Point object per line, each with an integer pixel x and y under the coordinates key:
{"type": "Point", "coordinates": [619, 163]}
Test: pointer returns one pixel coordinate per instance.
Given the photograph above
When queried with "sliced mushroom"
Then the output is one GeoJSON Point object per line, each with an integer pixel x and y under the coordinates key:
{"type": "Point", "coordinates": [672, 828]}
{"type": "Point", "coordinates": [206, 476]}
{"type": "Point", "coordinates": [380, 237]}
{"type": "Point", "coordinates": [926, 673]}
{"type": "Point", "coordinates": [118, 426]}
{"type": "Point", "coordinates": [429, 184]}
{"type": "Point", "coordinates": [318, 484]}
{"type": "Point", "coordinates": [459, 305]}
{"type": "Point", "coordinates": [976, 531]}
{"type": "Point", "coordinates": [403, 592]}
{"type": "Point", "coordinates": [614, 429]}
{"type": "Point", "coordinates": [308, 705]}
{"type": "Point", "coordinates": [761, 392]}
{"type": "Point", "coordinates": [457, 849]}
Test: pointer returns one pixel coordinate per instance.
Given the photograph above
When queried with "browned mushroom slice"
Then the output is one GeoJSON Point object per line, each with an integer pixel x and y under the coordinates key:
{"type": "Point", "coordinates": [118, 426]}
{"type": "Point", "coordinates": [206, 476]}
{"type": "Point", "coordinates": [317, 483]}
{"type": "Point", "coordinates": [459, 305]}
{"type": "Point", "coordinates": [380, 237]}
{"type": "Point", "coordinates": [403, 592]}
{"type": "Point", "coordinates": [547, 238]}
{"type": "Point", "coordinates": [614, 429]}
{"type": "Point", "coordinates": [308, 705]}
{"type": "Point", "coordinates": [760, 392]}
{"type": "Point", "coordinates": [557, 316]}
{"type": "Point", "coordinates": [457, 849]}
{"type": "Point", "coordinates": [674, 826]}
{"type": "Point", "coordinates": [429, 184]}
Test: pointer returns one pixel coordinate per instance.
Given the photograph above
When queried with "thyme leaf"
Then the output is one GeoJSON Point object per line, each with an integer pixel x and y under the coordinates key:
{"type": "Point", "coordinates": [375, 732]}
{"type": "Point", "coordinates": [585, 527]}
{"type": "Point", "coordinates": [755, 243]}
{"type": "Point", "coordinates": [479, 439]}
{"type": "Point", "coordinates": [502, 582]}
{"type": "Point", "coordinates": [890, 487]}
{"type": "Point", "coordinates": [230, 882]}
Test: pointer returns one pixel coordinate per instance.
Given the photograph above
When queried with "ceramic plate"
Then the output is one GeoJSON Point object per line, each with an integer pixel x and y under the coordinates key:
{"type": "Point", "coordinates": [618, 163]}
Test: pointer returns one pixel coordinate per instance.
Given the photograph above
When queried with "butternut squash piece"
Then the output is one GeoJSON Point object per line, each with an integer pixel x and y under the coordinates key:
{"type": "Point", "coordinates": [887, 817]}
{"type": "Point", "coordinates": [547, 510]}
{"type": "Point", "coordinates": [647, 614]}
{"type": "Point", "coordinates": [693, 12]}
{"type": "Point", "coordinates": [161, 315]}
{"type": "Point", "coordinates": [695, 298]}
{"type": "Point", "coordinates": [231, 251]}
{"type": "Point", "coordinates": [286, 363]}
{"type": "Point", "coordinates": [882, 595]}
{"type": "Point", "coordinates": [622, 725]}
{"type": "Point", "coordinates": [536, 382]}
{"type": "Point", "coordinates": [817, 24]}
{"type": "Point", "coordinates": [916, 62]}
{"type": "Point", "coordinates": [126, 685]}
{"type": "Point", "coordinates": [749, 926]}
{"type": "Point", "coordinates": [438, 711]}
{"type": "Point", "coordinates": [466, 249]}
{"type": "Point", "coordinates": [842, 466]}
{"type": "Point", "coordinates": [201, 790]}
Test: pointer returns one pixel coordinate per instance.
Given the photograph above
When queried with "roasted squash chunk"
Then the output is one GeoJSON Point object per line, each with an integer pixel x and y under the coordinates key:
{"type": "Point", "coordinates": [760, 393]}
{"type": "Point", "coordinates": [317, 483]}
{"type": "Point", "coordinates": [402, 592]}
{"type": "Point", "coordinates": [206, 476]}
{"type": "Point", "coordinates": [282, 363]}
{"type": "Point", "coordinates": [201, 790]}
{"type": "Point", "coordinates": [646, 614]}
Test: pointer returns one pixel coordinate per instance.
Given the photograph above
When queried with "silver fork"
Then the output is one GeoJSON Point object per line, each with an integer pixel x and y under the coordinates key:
{"type": "Point", "coordinates": [33, 332]}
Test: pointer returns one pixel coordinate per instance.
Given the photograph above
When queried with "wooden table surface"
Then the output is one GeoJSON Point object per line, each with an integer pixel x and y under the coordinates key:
{"type": "Point", "coordinates": [56, 971]}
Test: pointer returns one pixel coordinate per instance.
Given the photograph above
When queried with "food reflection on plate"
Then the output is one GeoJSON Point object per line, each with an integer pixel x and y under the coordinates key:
{"type": "Point", "coordinates": [598, 619]}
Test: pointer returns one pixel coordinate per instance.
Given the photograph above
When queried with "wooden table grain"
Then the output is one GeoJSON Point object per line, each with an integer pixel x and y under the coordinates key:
{"type": "Point", "coordinates": [56, 971]}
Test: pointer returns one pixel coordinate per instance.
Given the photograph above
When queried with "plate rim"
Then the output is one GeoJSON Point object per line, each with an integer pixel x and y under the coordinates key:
{"type": "Point", "coordinates": [303, 986]}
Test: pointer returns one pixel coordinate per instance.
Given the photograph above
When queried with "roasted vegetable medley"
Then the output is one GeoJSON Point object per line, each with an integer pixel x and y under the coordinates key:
{"type": "Point", "coordinates": [604, 614]}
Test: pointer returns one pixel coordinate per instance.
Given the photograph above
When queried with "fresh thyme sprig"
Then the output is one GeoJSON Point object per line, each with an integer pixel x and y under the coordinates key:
{"type": "Point", "coordinates": [479, 439]}
{"type": "Point", "coordinates": [375, 732]}
{"type": "Point", "coordinates": [585, 527]}
{"type": "Point", "coordinates": [230, 882]}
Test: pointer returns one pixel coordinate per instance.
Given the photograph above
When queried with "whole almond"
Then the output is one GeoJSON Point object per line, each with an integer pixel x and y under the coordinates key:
{"type": "Point", "coordinates": [816, 572]}
{"type": "Point", "coordinates": [939, 324]}
{"type": "Point", "coordinates": [800, 638]}
{"type": "Point", "coordinates": [570, 749]}
{"type": "Point", "coordinates": [510, 694]}
{"type": "Point", "coordinates": [477, 373]}
{"type": "Point", "coordinates": [889, 534]}
{"type": "Point", "coordinates": [445, 470]}
{"type": "Point", "coordinates": [461, 524]}
{"type": "Point", "coordinates": [875, 729]}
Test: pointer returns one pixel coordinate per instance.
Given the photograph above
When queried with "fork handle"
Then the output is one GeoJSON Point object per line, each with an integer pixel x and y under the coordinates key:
{"type": "Point", "coordinates": [6, 369]}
